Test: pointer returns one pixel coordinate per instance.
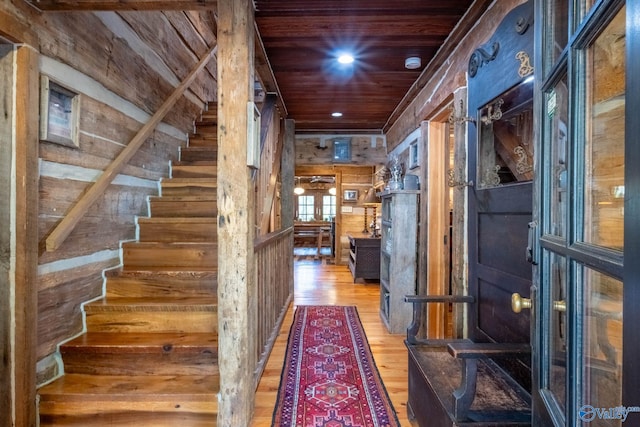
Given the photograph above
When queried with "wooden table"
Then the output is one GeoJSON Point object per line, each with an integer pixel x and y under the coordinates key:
{"type": "Point", "coordinates": [312, 230]}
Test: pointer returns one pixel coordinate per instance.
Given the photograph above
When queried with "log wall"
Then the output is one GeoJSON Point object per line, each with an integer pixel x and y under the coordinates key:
{"type": "Point", "coordinates": [124, 66]}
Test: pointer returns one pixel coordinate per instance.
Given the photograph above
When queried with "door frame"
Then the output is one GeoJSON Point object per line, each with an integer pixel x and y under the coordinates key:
{"type": "Point", "coordinates": [631, 270]}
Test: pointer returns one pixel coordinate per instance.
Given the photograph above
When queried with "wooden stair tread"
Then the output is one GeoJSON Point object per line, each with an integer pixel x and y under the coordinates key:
{"type": "Point", "coordinates": [153, 274]}
{"type": "Point", "coordinates": [207, 122]}
{"type": "Point", "coordinates": [137, 342]}
{"type": "Point", "coordinates": [169, 245]}
{"type": "Point", "coordinates": [189, 181]}
{"type": "Point", "coordinates": [168, 270]}
{"type": "Point", "coordinates": [186, 198]}
{"type": "Point", "coordinates": [201, 148]}
{"type": "Point", "coordinates": [177, 219]}
{"type": "Point", "coordinates": [159, 303]}
{"type": "Point", "coordinates": [183, 163]}
{"type": "Point", "coordinates": [84, 387]}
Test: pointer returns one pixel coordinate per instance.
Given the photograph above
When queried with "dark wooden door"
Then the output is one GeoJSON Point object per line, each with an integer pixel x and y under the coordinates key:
{"type": "Point", "coordinates": [501, 153]}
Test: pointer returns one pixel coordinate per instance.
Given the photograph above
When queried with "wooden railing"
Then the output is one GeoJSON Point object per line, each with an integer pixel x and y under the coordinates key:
{"type": "Point", "coordinates": [71, 219]}
{"type": "Point", "coordinates": [274, 267]}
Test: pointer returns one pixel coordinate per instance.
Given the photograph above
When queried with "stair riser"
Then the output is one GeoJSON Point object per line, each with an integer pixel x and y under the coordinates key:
{"type": "Point", "coordinates": [160, 208]}
{"type": "Point", "coordinates": [100, 413]}
{"type": "Point", "coordinates": [198, 232]}
{"type": "Point", "coordinates": [200, 257]}
{"type": "Point", "coordinates": [187, 155]}
{"type": "Point", "coordinates": [205, 141]}
{"type": "Point", "coordinates": [188, 190]}
{"type": "Point", "coordinates": [133, 287]}
{"type": "Point", "coordinates": [153, 322]}
{"type": "Point", "coordinates": [209, 115]}
{"type": "Point", "coordinates": [194, 172]}
{"type": "Point", "coordinates": [148, 363]}
{"type": "Point", "coordinates": [208, 132]}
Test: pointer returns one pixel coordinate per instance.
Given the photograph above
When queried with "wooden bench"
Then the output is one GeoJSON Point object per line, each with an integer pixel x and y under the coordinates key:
{"type": "Point", "coordinates": [458, 382]}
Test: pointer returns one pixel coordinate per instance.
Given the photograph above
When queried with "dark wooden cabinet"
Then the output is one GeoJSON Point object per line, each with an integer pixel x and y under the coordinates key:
{"type": "Point", "coordinates": [364, 257]}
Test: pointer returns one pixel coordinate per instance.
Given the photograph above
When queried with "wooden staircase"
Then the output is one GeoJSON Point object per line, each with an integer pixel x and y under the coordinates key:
{"type": "Point", "coordinates": [149, 356]}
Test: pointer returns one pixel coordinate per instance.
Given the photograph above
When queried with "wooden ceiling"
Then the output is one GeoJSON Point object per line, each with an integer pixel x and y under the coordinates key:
{"type": "Point", "coordinates": [303, 37]}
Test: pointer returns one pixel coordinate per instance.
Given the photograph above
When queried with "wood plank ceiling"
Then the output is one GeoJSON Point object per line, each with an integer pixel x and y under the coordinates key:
{"type": "Point", "coordinates": [302, 39]}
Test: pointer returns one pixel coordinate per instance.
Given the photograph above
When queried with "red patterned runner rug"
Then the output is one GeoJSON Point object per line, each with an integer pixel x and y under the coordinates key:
{"type": "Point", "coordinates": [329, 377]}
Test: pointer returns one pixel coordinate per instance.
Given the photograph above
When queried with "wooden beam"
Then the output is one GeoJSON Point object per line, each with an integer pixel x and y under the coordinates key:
{"type": "Point", "coordinates": [68, 223]}
{"type": "Point", "coordinates": [265, 73]}
{"type": "Point", "coordinates": [237, 305]}
{"type": "Point", "coordinates": [26, 238]}
{"type": "Point", "coordinates": [287, 173]}
{"type": "Point", "coordinates": [117, 5]}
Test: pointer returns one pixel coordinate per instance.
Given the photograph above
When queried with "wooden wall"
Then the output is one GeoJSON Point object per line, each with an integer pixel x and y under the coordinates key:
{"type": "Point", "coordinates": [318, 149]}
{"type": "Point", "coordinates": [124, 66]}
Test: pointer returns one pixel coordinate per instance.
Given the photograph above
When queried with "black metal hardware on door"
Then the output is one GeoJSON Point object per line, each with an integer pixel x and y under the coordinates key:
{"type": "Point", "coordinates": [532, 243]}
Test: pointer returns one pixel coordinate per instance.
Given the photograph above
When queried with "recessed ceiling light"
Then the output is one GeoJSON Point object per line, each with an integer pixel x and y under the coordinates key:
{"type": "Point", "coordinates": [345, 58]}
{"type": "Point", "coordinates": [336, 114]}
{"type": "Point", "coordinates": [412, 63]}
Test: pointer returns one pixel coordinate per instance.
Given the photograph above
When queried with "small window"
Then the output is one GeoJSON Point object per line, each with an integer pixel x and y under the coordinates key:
{"type": "Point", "coordinates": [328, 207]}
{"type": "Point", "coordinates": [305, 208]}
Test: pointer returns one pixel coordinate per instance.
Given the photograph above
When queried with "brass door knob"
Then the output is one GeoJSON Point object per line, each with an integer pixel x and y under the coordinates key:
{"type": "Point", "coordinates": [560, 306]}
{"type": "Point", "coordinates": [518, 303]}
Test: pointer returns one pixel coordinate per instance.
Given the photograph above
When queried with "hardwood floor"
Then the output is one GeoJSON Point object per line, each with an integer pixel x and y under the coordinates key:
{"type": "Point", "coordinates": [316, 283]}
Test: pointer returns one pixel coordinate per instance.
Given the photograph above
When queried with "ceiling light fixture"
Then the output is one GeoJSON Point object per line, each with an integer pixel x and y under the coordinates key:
{"type": "Point", "coordinates": [336, 114]}
{"type": "Point", "coordinates": [345, 58]}
{"type": "Point", "coordinates": [412, 63]}
{"type": "Point", "coordinates": [298, 190]}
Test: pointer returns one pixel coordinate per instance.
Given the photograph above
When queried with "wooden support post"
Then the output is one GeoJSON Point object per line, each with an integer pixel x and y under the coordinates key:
{"type": "Point", "coordinates": [459, 252]}
{"type": "Point", "coordinates": [236, 215]}
{"type": "Point", "coordinates": [287, 173]}
{"type": "Point", "coordinates": [19, 80]}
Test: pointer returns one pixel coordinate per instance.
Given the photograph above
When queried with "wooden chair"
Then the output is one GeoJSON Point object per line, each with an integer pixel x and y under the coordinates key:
{"type": "Point", "coordinates": [458, 382]}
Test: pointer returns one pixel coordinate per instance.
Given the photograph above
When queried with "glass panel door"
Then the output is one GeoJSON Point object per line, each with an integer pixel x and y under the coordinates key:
{"type": "Point", "coordinates": [579, 370]}
{"type": "Point", "coordinates": [604, 79]}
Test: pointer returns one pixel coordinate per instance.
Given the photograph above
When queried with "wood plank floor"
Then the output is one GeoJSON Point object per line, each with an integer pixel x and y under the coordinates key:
{"type": "Point", "coordinates": [317, 283]}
